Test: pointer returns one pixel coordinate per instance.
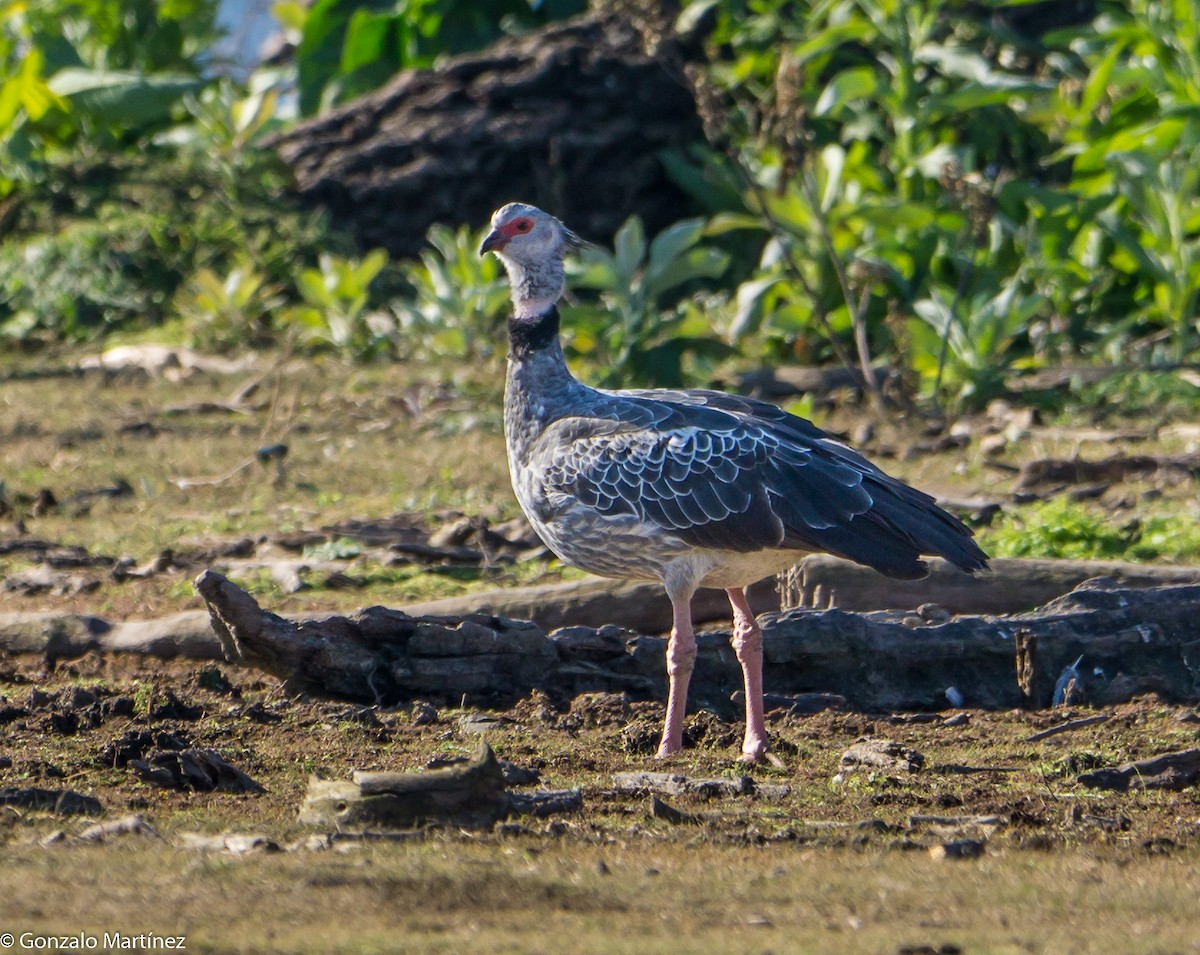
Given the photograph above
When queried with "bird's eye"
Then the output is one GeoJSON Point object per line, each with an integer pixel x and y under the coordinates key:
{"type": "Point", "coordinates": [523, 225]}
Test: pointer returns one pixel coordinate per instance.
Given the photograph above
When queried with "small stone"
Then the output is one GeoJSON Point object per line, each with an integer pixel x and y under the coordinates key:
{"type": "Point", "coordinates": [959, 849]}
{"type": "Point", "coordinates": [424, 713]}
{"type": "Point", "coordinates": [933, 613]}
{"type": "Point", "coordinates": [878, 753]}
{"type": "Point", "coordinates": [481, 723]}
{"type": "Point", "coordinates": [81, 698]}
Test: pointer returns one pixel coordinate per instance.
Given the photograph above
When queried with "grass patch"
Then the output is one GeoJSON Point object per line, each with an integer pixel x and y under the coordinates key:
{"type": "Point", "coordinates": [1064, 528]}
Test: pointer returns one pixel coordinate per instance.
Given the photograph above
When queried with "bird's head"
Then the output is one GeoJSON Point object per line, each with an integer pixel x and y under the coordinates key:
{"type": "Point", "coordinates": [531, 244]}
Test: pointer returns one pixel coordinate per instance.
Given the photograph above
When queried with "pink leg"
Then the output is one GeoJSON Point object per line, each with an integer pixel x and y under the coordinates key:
{"type": "Point", "coordinates": [681, 658]}
{"type": "Point", "coordinates": [747, 644]}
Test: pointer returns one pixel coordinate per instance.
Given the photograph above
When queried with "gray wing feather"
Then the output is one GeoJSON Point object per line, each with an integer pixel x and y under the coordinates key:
{"type": "Point", "coordinates": [717, 470]}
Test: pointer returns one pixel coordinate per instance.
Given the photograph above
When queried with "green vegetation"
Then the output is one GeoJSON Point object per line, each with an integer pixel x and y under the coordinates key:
{"type": "Point", "coordinates": [913, 183]}
{"type": "Point", "coordinates": [942, 191]}
{"type": "Point", "coordinates": [1061, 527]}
{"type": "Point", "coordinates": [349, 47]}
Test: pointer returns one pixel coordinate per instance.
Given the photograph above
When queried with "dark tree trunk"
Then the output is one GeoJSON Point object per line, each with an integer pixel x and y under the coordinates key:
{"type": "Point", "coordinates": [570, 117]}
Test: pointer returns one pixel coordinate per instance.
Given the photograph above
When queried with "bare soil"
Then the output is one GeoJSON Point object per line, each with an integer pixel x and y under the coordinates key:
{"type": "Point", "coordinates": [814, 857]}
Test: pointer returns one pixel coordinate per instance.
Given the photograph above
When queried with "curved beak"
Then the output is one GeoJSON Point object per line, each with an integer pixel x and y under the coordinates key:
{"type": "Point", "coordinates": [495, 242]}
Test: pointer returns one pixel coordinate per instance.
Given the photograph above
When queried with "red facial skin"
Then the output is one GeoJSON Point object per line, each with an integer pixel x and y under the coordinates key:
{"type": "Point", "coordinates": [499, 237]}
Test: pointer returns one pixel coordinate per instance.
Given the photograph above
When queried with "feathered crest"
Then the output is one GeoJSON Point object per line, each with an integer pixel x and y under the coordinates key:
{"type": "Point", "coordinates": [575, 242]}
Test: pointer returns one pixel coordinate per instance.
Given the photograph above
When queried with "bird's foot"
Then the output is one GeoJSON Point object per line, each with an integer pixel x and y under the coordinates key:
{"type": "Point", "coordinates": [753, 750]}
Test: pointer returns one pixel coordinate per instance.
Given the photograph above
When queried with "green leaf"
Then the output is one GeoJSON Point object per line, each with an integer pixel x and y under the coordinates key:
{"type": "Point", "coordinates": [724, 222]}
{"type": "Point", "coordinates": [691, 15]}
{"type": "Point", "coordinates": [366, 41]}
{"type": "Point", "coordinates": [892, 214]}
{"type": "Point", "coordinates": [832, 38]}
{"type": "Point", "coordinates": [370, 266]}
{"type": "Point", "coordinates": [857, 83]}
{"type": "Point", "coordinates": [1096, 87]}
{"type": "Point", "coordinates": [696, 263]}
{"type": "Point", "coordinates": [833, 161]}
{"type": "Point", "coordinates": [673, 240]}
{"type": "Point", "coordinates": [122, 99]}
{"type": "Point", "coordinates": [595, 269]}
{"type": "Point", "coordinates": [291, 14]}
{"type": "Point", "coordinates": [629, 247]}
{"type": "Point", "coordinates": [320, 49]}
{"type": "Point", "coordinates": [749, 313]}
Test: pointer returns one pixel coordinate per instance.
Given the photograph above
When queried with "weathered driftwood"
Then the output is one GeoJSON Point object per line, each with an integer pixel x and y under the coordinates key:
{"type": "Point", "coordinates": [957, 849]}
{"type": "Point", "coordinates": [66, 636]}
{"type": "Point", "coordinates": [468, 794]}
{"type": "Point", "coordinates": [1068, 727]}
{"type": "Point", "coordinates": [1011, 586]}
{"type": "Point", "coordinates": [596, 603]}
{"type": "Point", "coordinates": [1168, 771]}
{"type": "Point", "coordinates": [235, 843]}
{"type": "Point", "coordinates": [1059, 472]}
{"type": "Point", "coordinates": [783, 381]}
{"type": "Point", "coordinates": [132, 825]}
{"type": "Point", "coordinates": [677, 784]}
{"type": "Point", "coordinates": [643, 607]}
{"type": "Point", "coordinates": [1131, 641]}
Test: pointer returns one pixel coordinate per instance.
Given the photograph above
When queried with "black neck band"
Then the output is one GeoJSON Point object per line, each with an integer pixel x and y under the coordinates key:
{"type": "Point", "coordinates": [527, 335]}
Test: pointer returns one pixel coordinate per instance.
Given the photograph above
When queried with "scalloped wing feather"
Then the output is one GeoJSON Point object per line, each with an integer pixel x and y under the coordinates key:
{"type": "Point", "coordinates": [722, 471]}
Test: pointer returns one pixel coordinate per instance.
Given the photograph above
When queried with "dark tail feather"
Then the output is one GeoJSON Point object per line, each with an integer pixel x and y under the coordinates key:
{"type": "Point", "coordinates": [895, 533]}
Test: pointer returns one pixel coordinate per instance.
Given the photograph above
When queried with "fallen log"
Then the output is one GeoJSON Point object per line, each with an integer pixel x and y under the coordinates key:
{"type": "Point", "coordinates": [594, 603]}
{"type": "Point", "coordinates": [1012, 585]}
{"type": "Point", "coordinates": [818, 582]}
{"type": "Point", "coordinates": [581, 100]}
{"type": "Point", "coordinates": [58, 636]}
{"type": "Point", "coordinates": [1131, 641]}
{"type": "Point", "coordinates": [1172, 771]}
{"type": "Point", "coordinates": [639, 606]}
{"type": "Point", "coordinates": [1062, 472]}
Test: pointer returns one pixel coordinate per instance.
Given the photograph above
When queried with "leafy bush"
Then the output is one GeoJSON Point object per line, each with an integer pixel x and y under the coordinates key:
{"type": "Point", "coordinates": [916, 167]}
{"type": "Point", "coordinates": [83, 281]}
{"type": "Point", "coordinates": [1061, 527]}
{"type": "Point", "coordinates": [900, 181]}
{"type": "Point", "coordinates": [458, 302]}
{"type": "Point", "coordinates": [221, 314]}
{"type": "Point", "coordinates": [642, 327]}
{"type": "Point", "coordinates": [349, 47]}
{"type": "Point", "coordinates": [95, 246]}
{"type": "Point", "coordinates": [95, 72]}
{"type": "Point", "coordinates": [335, 310]}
